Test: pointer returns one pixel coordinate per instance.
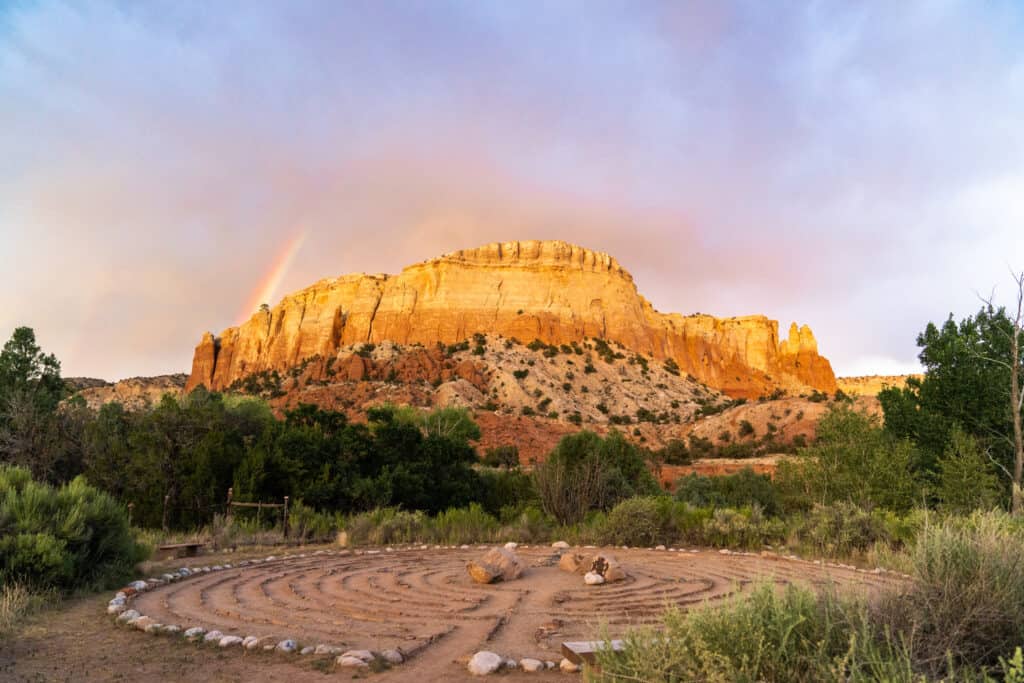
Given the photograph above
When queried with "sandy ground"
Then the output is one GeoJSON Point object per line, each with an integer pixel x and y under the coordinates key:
{"type": "Point", "coordinates": [417, 600]}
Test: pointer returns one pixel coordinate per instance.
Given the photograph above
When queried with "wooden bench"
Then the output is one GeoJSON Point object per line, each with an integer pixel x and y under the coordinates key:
{"type": "Point", "coordinates": [174, 550]}
{"type": "Point", "coordinates": [580, 651]}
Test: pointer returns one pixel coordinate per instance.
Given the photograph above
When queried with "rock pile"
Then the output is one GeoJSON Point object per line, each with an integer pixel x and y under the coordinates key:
{"type": "Point", "coordinates": [596, 569]}
{"type": "Point", "coordinates": [485, 662]}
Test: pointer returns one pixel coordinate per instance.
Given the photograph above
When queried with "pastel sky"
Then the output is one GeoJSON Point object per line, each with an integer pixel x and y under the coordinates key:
{"type": "Point", "coordinates": [856, 166]}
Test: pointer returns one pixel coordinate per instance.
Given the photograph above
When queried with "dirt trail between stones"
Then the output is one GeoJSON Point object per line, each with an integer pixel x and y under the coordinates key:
{"type": "Point", "coordinates": [423, 603]}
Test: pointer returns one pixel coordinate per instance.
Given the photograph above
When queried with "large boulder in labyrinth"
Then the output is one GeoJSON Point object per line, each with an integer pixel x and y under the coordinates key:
{"type": "Point", "coordinates": [497, 564]}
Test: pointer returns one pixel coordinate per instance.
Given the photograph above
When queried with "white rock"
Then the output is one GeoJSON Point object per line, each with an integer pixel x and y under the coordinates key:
{"type": "Point", "coordinates": [568, 667]}
{"type": "Point", "coordinates": [172, 629]}
{"type": "Point", "coordinates": [116, 609]}
{"type": "Point", "coordinates": [511, 545]}
{"type": "Point", "coordinates": [212, 636]}
{"type": "Point", "coordinates": [138, 585]}
{"type": "Point", "coordinates": [660, 547]}
{"type": "Point", "coordinates": [347, 660]}
{"type": "Point", "coordinates": [560, 544]}
{"type": "Point", "coordinates": [364, 655]}
{"type": "Point", "coordinates": [593, 579]}
{"type": "Point", "coordinates": [128, 616]}
{"type": "Point", "coordinates": [287, 646]}
{"type": "Point", "coordinates": [532, 665]}
{"type": "Point", "coordinates": [484, 663]}
{"type": "Point", "coordinates": [195, 633]}
{"type": "Point", "coordinates": [392, 656]}
{"type": "Point", "coordinates": [230, 641]}
{"type": "Point", "coordinates": [332, 650]}
{"type": "Point", "coordinates": [511, 664]}
{"type": "Point", "coordinates": [117, 601]}
{"type": "Point", "coordinates": [548, 664]}
{"type": "Point", "coordinates": [169, 577]}
{"type": "Point", "coordinates": [308, 650]}
{"type": "Point", "coordinates": [153, 628]}
{"type": "Point", "coordinates": [463, 547]}
{"type": "Point", "coordinates": [250, 642]}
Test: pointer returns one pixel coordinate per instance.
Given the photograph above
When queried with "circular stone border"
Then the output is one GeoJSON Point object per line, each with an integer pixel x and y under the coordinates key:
{"type": "Point", "coordinates": [119, 607]}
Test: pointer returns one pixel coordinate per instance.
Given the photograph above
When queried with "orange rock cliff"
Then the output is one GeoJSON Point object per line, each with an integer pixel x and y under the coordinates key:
{"type": "Point", "coordinates": [548, 290]}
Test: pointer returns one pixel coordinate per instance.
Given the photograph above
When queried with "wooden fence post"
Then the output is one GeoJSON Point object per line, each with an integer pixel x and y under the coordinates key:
{"type": "Point", "coordinates": [164, 524]}
{"type": "Point", "coordinates": [227, 512]}
{"type": "Point", "coordinates": [286, 516]}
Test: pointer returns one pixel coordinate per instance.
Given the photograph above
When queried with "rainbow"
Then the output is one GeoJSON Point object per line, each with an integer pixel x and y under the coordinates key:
{"type": "Point", "coordinates": [267, 287]}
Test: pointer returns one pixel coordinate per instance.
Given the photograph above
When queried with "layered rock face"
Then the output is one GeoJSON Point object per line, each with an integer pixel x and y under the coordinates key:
{"type": "Point", "coordinates": [548, 290]}
{"type": "Point", "coordinates": [870, 385]}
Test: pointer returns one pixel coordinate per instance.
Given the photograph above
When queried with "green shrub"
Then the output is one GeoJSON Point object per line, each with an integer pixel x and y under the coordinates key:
{"type": "Point", "coordinates": [67, 538]}
{"type": "Point", "coordinates": [502, 456]}
{"type": "Point", "coordinates": [465, 525]}
{"type": "Point", "coordinates": [385, 526]}
{"type": "Point", "coordinates": [636, 521]}
{"type": "Point", "coordinates": [747, 529]}
{"type": "Point", "coordinates": [854, 460]}
{"type": "Point", "coordinates": [306, 524]}
{"type": "Point", "coordinates": [675, 452]}
{"type": "Point", "coordinates": [745, 488]}
{"type": "Point", "coordinates": [967, 480]}
{"type": "Point", "coordinates": [505, 488]}
{"type": "Point", "coordinates": [528, 524]}
{"type": "Point", "coordinates": [586, 472]}
{"type": "Point", "coordinates": [770, 635]}
{"type": "Point", "coordinates": [841, 530]}
{"type": "Point", "coordinates": [965, 603]}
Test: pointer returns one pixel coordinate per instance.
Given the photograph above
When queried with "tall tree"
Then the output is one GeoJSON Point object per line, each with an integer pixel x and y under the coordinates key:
{"type": "Point", "coordinates": [24, 368]}
{"type": "Point", "coordinates": [973, 376]}
{"type": "Point", "coordinates": [30, 389]}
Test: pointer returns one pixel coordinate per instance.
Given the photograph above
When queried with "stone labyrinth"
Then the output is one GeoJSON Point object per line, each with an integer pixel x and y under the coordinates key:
{"type": "Point", "coordinates": [421, 602]}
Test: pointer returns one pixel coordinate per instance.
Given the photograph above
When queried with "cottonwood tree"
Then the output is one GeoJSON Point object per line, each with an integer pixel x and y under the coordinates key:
{"type": "Point", "coordinates": [973, 377]}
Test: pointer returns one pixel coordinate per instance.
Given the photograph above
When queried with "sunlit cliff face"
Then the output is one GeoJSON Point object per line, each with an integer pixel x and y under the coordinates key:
{"type": "Point", "coordinates": [168, 170]}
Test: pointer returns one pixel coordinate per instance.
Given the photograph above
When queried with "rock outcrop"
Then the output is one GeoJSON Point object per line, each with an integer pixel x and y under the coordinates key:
{"type": "Point", "coordinates": [870, 385]}
{"type": "Point", "coordinates": [548, 290]}
{"type": "Point", "coordinates": [134, 393]}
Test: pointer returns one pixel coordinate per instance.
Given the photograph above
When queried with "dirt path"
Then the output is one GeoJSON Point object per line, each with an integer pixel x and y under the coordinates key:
{"type": "Point", "coordinates": [419, 601]}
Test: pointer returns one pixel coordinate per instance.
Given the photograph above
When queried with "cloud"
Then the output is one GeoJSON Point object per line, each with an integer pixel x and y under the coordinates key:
{"type": "Point", "coordinates": [854, 167]}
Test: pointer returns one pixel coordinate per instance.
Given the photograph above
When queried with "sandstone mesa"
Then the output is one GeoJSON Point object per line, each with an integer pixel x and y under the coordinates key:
{"type": "Point", "coordinates": [548, 290]}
